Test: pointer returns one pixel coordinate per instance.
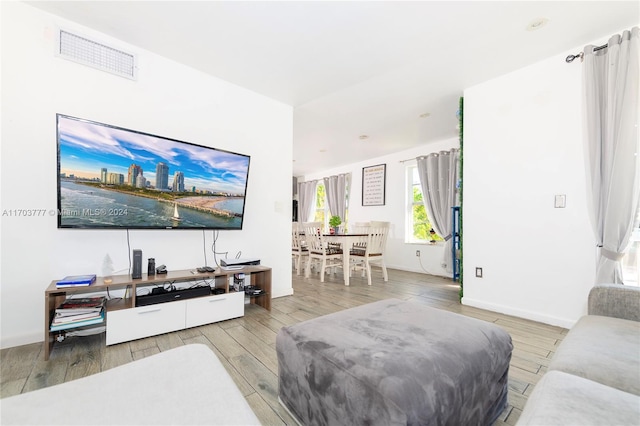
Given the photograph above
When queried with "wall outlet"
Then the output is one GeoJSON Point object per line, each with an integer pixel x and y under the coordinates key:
{"type": "Point", "coordinates": [417, 253]}
{"type": "Point", "coordinates": [478, 272]}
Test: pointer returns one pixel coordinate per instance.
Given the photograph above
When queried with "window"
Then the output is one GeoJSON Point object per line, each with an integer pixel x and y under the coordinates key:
{"type": "Point", "coordinates": [418, 226]}
{"type": "Point", "coordinates": [321, 205]}
{"type": "Point", "coordinates": [630, 266]}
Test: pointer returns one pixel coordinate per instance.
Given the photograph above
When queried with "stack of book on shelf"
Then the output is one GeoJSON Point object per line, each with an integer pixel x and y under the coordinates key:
{"type": "Point", "coordinates": [79, 312]}
{"type": "Point", "coordinates": [76, 281]}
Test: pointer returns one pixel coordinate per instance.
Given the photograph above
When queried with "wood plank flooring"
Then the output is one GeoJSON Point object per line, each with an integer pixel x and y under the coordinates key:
{"type": "Point", "coordinates": [246, 346]}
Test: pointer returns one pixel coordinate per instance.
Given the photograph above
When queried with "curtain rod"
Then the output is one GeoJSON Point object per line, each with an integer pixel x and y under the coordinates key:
{"type": "Point", "coordinates": [415, 158]}
{"type": "Point", "coordinates": [570, 58]}
{"type": "Point", "coordinates": [437, 153]}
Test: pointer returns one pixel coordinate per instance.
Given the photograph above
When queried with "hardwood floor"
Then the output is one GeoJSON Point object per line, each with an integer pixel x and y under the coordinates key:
{"type": "Point", "coordinates": [246, 346]}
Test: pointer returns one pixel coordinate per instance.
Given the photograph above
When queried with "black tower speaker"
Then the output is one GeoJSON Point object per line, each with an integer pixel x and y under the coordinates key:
{"type": "Point", "coordinates": [295, 210]}
{"type": "Point", "coordinates": [136, 273]}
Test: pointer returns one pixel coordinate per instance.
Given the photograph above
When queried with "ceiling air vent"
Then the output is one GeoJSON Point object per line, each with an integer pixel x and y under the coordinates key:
{"type": "Point", "coordinates": [97, 55]}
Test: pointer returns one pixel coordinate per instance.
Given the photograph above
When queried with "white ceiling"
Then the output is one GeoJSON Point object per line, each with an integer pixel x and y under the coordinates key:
{"type": "Point", "coordinates": [354, 68]}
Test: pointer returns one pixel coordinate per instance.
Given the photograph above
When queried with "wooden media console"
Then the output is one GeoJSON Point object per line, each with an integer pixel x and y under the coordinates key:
{"type": "Point", "coordinates": [124, 321]}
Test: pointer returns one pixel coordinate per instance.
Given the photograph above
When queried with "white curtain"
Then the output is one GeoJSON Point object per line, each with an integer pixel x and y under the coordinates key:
{"type": "Point", "coordinates": [336, 188]}
{"type": "Point", "coordinates": [306, 200]}
{"type": "Point", "coordinates": [612, 147]}
{"type": "Point", "coordinates": [438, 173]}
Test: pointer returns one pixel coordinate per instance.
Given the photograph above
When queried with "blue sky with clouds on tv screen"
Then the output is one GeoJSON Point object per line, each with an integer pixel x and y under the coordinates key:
{"type": "Point", "coordinates": [86, 147]}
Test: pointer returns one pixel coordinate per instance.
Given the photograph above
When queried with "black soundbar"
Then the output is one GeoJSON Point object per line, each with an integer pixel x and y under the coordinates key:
{"type": "Point", "coordinates": [170, 296]}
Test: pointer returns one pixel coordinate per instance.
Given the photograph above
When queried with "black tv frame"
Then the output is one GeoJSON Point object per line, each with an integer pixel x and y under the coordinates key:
{"type": "Point", "coordinates": [97, 217]}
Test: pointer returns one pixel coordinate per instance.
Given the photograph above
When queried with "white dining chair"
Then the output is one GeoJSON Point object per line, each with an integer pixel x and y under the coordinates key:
{"type": "Point", "coordinates": [360, 228]}
{"type": "Point", "coordinates": [299, 249]}
{"type": "Point", "coordinates": [327, 257]}
{"type": "Point", "coordinates": [377, 233]}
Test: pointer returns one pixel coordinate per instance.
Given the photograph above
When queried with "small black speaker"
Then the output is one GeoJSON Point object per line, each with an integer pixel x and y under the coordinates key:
{"type": "Point", "coordinates": [136, 273]}
{"type": "Point", "coordinates": [151, 267]}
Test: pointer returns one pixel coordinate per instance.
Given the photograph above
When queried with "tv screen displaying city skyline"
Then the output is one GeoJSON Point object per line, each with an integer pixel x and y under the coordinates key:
{"type": "Point", "coordinates": [112, 177]}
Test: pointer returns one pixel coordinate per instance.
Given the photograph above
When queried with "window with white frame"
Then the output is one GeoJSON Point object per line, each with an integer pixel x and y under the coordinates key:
{"type": "Point", "coordinates": [418, 228]}
{"type": "Point", "coordinates": [321, 204]}
{"type": "Point", "coordinates": [322, 213]}
{"type": "Point", "coordinates": [631, 259]}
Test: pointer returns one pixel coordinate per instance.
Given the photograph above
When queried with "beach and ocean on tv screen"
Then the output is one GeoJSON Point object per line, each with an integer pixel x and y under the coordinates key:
{"type": "Point", "coordinates": [110, 177]}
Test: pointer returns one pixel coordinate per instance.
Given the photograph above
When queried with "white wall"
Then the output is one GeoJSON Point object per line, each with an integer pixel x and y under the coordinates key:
{"type": "Point", "coordinates": [523, 145]}
{"type": "Point", "coordinates": [168, 99]}
{"type": "Point", "coordinates": [399, 255]}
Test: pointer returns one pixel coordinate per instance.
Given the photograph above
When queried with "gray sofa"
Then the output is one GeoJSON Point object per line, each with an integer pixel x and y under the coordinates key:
{"type": "Point", "coordinates": [594, 376]}
{"type": "Point", "coordinates": [187, 385]}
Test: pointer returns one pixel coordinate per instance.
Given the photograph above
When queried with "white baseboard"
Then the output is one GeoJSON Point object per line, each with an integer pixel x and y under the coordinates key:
{"type": "Point", "coordinates": [520, 313]}
{"type": "Point", "coordinates": [26, 339]}
{"type": "Point", "coordinates": [287, 292]}
{"type": "Point", "coordinates": [419, 271]}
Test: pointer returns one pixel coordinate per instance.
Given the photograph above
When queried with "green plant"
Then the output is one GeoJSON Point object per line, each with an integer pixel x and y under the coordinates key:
{"type": "Point", "coordinates": [335, 221]}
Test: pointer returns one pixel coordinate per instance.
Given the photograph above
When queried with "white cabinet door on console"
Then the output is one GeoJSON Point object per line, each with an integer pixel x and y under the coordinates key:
{"type": "Point", "coordinates": [144, 321]}
{"type": "Point", "coordinates": [205, 310]}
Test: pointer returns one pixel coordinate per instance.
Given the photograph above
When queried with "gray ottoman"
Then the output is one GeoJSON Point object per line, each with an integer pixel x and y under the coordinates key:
{"type": "Point", "coordinates": [393, 362]}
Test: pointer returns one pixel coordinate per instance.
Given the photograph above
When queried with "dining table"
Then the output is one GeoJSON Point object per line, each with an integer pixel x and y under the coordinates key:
{"type": "Point", "coordinates": [347, 241]}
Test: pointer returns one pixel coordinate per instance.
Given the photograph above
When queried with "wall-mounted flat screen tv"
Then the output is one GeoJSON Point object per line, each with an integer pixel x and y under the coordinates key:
{"type": "Point", "coordinates": [112, 178]}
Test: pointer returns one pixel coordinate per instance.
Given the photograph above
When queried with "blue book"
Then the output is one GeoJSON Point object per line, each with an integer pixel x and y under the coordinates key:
{"type": "Point", "coordinates": [76, 280]}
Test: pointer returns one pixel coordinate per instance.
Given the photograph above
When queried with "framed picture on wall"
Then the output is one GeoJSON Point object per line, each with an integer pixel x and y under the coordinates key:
{"type": "Point", "coordinates": [374, 185]}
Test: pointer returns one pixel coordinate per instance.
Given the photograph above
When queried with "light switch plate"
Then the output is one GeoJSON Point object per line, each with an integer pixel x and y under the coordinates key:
{"type": "Point", "coordinates": [560, 201]}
